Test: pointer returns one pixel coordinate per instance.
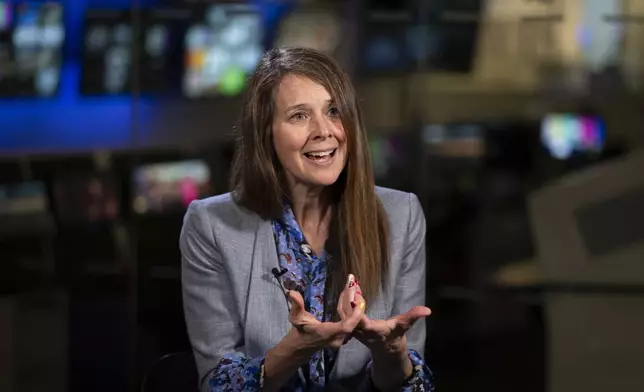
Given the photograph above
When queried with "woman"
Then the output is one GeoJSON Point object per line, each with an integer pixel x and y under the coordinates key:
{"type": "Point", "coordinates": [285, 248]}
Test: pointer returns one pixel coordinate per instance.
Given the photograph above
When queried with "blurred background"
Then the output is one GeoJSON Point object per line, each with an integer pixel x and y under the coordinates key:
{"type": "Point", "coordinates": [518, 123]}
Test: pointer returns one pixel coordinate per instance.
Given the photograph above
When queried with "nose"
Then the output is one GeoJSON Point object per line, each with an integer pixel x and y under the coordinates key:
{"type": "Point", "coordinates": [321, 129]}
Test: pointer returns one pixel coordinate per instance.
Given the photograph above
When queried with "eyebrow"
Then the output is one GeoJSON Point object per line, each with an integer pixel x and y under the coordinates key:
{"type": "Point", "coordinates": [306, 106]}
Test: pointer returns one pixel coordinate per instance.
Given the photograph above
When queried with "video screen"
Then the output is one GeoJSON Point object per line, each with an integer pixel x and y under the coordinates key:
{"type": "Point", "coordinates": [31, 43]}
{"type": "Point", "coordinates": [565, 135]}
{"type": "Point", "coordinates": [107, 53]}
{"type": "Point", "coordinates": [455, 140]}
{"type": "Point", "coordinates": [392, 46]}
{"type": "Point", "coordinates": [396, 38]}
{"type": "Point", "coordinates": [161, 46]}
{"type": "Point", "coordinates": [23, 198]}
{"type": "Point", "coordinates": [87, 198]}
{"type": "Point", "coordinates": [169, 187]}
{"type": "Point", "coordinates": [601, 41]}
{"type": "Point", "coordinates": [221, 50]}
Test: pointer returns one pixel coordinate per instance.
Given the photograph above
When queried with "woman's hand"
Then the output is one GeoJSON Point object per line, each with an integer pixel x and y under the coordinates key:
{"type": "Point", "coordinates": [388, 336]}
{"type": "Point", "coordinates": [308, 336]}
{"type": "Point", "coordinates": [385, 336]}
{"type": "Point", "coordinates": [315, 335]}
{"type": "Point", "coordinates": [385, 339]}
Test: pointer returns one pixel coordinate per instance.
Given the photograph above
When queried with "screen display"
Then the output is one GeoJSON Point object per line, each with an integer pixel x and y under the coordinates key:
{"type": "Point", "coordinates": [221, 50]}
{"type": "Point", "coordinates": [444, 39]}
{"type": "Point", "coordinates": [392, 46]}
{"type": "Point", "coordinates": [25, 198]}
{"type": "Point", "coordinates": [107, 53]}
{"type": "Point", "coordinates": [31, 43]}
{"type": "Point", "coordinates": [564, 135]}
{"type": "Point", "coordinates": [455, 140]}
{"type": "Point", "coordinates": [161, 46]}
{"type": "Point", "coordinates": [600, 40]}
{"type": "Point", "coordinates": [87, 198]}
{"type": "Point", "coordinates": [169, 187]}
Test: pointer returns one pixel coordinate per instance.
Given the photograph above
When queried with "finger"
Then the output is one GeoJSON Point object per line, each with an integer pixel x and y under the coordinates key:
{"type": "Point", "coordinates": [350, 289]}
{"type": "Point", "coordinates": [341, 305]}
{"type": "Point", "coordinates": [364, 322]}
{"type": "Point", "coordinates": [407, 320]}
{"type": "Point", "coordinates": [297, 302]}
{"type": "Point", "coordinates": [328, 331]}
{"type": "Point", "coordinates": [359, 302]}
{"type": "Point", "coordinates": [356, 316]}
{"type": "Point", "coordinates": [347, 297]}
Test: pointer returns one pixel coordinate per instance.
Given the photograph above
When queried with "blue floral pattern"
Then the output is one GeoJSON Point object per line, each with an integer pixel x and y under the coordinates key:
{"type": "Point", "coordinates": [306, 273]}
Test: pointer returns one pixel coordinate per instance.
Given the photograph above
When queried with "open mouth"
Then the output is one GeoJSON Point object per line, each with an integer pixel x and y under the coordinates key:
{"type": "Point", "coordinates": [320, 156]}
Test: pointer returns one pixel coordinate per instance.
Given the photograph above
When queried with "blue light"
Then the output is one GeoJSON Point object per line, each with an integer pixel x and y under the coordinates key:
{"type": "Point", "coordinates": [70, 121]}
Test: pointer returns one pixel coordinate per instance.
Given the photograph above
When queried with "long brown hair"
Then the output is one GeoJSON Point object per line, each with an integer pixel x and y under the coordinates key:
{"type": "Point", "coordinates": [257, 180]}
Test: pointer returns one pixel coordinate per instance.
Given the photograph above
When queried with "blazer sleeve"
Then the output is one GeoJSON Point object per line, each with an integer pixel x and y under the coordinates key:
{"type": "Point", "coordinates": [410, 287]}
{"type": "Point", "coordinates": [211, 316]}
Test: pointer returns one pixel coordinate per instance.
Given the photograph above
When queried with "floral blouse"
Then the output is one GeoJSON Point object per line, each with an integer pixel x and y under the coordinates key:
{"type": "Point", "coordinates": [306, 273]}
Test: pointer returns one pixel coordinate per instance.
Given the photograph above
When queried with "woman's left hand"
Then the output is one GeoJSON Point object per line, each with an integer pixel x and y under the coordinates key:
{"type": "Point", "coordinates": [385, 336]}
{"type": "Point", "coordinates": [388, 336]}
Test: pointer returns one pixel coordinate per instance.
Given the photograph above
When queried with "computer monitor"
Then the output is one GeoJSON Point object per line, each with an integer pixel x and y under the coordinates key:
{"type": "Point", "coordinates": [31, 44]}
{"type": "Point", "coordinates": [107, 53]}
{"type": "Point", "coordinates": [221, 49]}
{"type": "Point", "coordinates": [23, 198]}
{"type": "Point", "coordinates": [160, 48]}
{"type": "Point", "coordinates": [390, 37]}
{"type": "Point", "coordinates": [565, 135]}
{"type": "Point", "coordinates": [441, 36]}
{"type": "Point", "coordinates": [589, 226]}
{"type": "Point", "coordinates": [169, 187]}
{"type": "Point", "coordinates": [456, 140]}
{"type": "Point", "coordinates": [24, 213]}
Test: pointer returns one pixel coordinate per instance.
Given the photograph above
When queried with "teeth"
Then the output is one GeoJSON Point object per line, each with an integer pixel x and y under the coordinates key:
{"type": "Point", "coordinates": [320, 154]}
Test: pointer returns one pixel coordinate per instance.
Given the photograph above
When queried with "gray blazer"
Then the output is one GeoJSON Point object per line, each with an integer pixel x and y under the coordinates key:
{"type": "Point", "coordinates": [234, 304]}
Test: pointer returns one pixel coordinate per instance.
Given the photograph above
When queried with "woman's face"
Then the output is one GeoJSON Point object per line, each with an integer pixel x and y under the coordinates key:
{"type": "Point", "coordinates": [308, 135]}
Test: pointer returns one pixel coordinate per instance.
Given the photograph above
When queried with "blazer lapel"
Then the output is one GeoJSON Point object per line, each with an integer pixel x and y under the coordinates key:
{"type": "Point", "coordinates": [267, 307]}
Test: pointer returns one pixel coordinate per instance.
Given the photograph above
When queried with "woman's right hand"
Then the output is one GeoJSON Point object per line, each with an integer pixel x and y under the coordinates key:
{"type": "Point", "coordinates": [315, 335]}
{"type": "Point", "coordinates": [309, 336]}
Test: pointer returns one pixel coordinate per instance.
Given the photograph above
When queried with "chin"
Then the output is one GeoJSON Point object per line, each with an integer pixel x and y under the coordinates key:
{"type": "Point", "coordinates": [325, 180]}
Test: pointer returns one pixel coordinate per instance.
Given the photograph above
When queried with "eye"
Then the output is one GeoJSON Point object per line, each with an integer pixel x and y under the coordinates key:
{"type": "Point", "coordinates": [299, 116]}
{"type": "Point", "coordinates": [334, 112]}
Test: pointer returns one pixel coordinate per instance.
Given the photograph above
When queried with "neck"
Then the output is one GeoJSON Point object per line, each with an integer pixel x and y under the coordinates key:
{"type": "Point", "coordinates": [312, 207]}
